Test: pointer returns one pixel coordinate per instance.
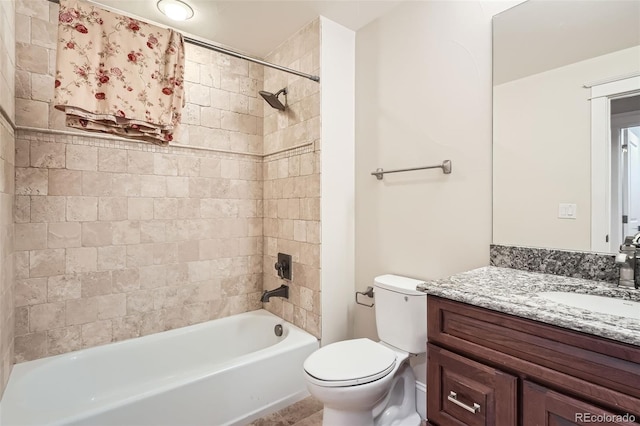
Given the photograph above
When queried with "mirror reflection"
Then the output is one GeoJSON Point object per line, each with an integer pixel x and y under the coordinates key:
{"type": "Point", "coordinates": [566, 111]}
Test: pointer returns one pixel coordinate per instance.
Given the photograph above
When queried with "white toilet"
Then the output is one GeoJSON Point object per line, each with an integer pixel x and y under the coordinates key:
{"type": "Point", "coordinates": [363, 383]}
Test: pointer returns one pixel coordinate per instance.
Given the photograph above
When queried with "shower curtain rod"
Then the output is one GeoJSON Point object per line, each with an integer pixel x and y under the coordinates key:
{"type": "Point", "coordinates": [240, 55]}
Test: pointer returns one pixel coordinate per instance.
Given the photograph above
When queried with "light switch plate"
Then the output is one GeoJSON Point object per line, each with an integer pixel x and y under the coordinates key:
{"type": "Point", "coordinates": [567, 211]}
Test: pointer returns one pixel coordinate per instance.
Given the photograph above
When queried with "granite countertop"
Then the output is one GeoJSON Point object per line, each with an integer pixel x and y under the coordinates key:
{"type": "Point", "coordinates": [514, 292]}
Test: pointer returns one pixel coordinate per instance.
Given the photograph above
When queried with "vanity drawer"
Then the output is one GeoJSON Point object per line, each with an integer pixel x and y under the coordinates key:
{"type": "Point", "coordinates": [542, 406]}
{"type": "Point", "coordinates": [465, 392]}
{"type": "Point", "coordinates": [586, 366]}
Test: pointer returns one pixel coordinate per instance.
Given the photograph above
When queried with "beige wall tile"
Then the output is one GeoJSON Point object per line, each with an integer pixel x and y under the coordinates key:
{"type": "Point", "coordinates": [165, 208]}
{"type": "Point", "coordinates": [112, 160]}
{"type": "Point", "coordinates": [46, 316]}
{"type": "Point", "coordinates": [112, 258]}
{"type": "Point", "coordinates": [97, 234]}
{"type": "Point", "coordinates": [22, 153]}
{"type": "Point", "coordinates": [192, 72]}
{"type": "Point", "coordinates": [42, 87]}
{"type": "Point", "coordinates": [166, 165]}
{"type": "Point", "coordinates": [62, 340]}
{"type": "Point", "coordinates": [96, 283]}
{"type": "Point", "coordinates": [63, 287]}
{"type": "Point", "coordinates": [30, 236]}
{"type": "Point", "coordinates": [140, 162]}
{"type": "Point", "coordinates": [97, 333]}
{"type": "Point", "coordinates": [48, 209]}
{"type": "Point", "coordinates": [113, 208]}
{"type": "Point", "coordinates": [81, 157]}
{"type": "Point", "coordinates": [22, 209]}
{"type": "Point", "coordinates": [32, 58]}
{"type": "Point", "coordinates": [177, 186]}
{"type": "Point", "coordinates": [82, 259]}
{"type": "Point", "coordinates": [126, 232]}
{"type": "Point", "coordinates": [30, 292]}
{"type": "Point", "coordinates": [188, 208]}
{"type": "Point", "coordinates": [126, 327]}
{"type": "Point", "coordinates": [125, 185]}
{"type": "Point", "coordinates": [139, 255]}
{"type": "Point", "coordinates": [47, 154]}
{"type": "Point", "coordinates": [45, 263]}
{"type": "Point", "coordinates": [23, 28]}
{"type": "Point", "coordinates": [139, 302]}
{"type": "Point", "coordinates": [65, 182]}
{"type": "Point", "coordinates": [152, 231]}
{"type": "Point", "coordinates": [97, 184]}
{"type": "Point", "coordinates": [30, 346]}
{"type": "Point", "coordinates": [32, 181]}
{"type": "Point", "coordinates": [140, 209]}
{"type": "Point", "coordinates": [81, 209]}
{"type": "Point", "coordinates": [153, 186]}
{"type": "Point", "coordinates": [112, 306]}
{"type": "Point", "coordinates": [64, 234]}
{"type": "Point", "coordinates": [125, 280]}
{"type": "Point", "coordinates": [21, 321]}
{"type": "Point", "coordinates": [22, 260]}
{"type": "Point", "coordinates": [81, 311]}
{"type": "Point", "coordinates": [153, 276]}
{"type": "Point", "coordinates": [32, 8]}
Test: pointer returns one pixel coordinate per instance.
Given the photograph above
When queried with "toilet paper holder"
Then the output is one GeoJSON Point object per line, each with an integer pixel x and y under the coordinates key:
{"type": "Point", "coordinates": [369, 293]}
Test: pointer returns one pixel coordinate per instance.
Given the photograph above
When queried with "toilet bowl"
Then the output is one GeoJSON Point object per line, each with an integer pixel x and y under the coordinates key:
{"type": "Point", "coordinates": [365, 383]}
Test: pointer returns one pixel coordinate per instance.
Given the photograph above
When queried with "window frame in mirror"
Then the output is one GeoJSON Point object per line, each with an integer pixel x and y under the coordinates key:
{"type": "Point", "coordinates": [602, 93]}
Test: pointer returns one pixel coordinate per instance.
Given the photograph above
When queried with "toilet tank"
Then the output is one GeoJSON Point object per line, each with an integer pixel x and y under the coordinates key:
{"type": "Point", "coordinates": [401, 313]}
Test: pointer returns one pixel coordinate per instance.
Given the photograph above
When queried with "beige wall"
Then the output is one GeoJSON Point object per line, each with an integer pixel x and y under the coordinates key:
{"type": "Point", "coordinates": [542, 152]}
{"type": "Point", "coordinates": [423, 95]}
{"type": "Point", "coordinates": [292, 180]}
{"type": "Point", "coordinates": [118, 239]}
{"type": "Point", "coordinates": [7, 162]}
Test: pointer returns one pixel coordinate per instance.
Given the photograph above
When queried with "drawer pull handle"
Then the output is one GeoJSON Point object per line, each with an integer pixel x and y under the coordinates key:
{"type": "Point", "coordinates": [453, 397]}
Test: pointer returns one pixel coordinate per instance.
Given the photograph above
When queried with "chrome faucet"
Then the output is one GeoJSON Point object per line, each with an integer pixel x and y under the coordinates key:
{"type": "Point", "coordinates": [628, 259]}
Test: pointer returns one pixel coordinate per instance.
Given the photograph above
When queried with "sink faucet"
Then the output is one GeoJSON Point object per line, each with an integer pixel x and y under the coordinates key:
{"type": "Point", "coordinates": [628, 259]}
{"type": "Point", "coordinates": [282, 291]}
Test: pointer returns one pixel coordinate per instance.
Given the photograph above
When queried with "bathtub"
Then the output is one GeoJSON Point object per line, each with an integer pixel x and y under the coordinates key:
{"type": "Point", "coordinates": [227, 371]}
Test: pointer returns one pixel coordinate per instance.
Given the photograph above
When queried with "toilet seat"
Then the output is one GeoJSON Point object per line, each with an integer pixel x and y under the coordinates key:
{"type": "Point", "coordinates": [349, 363]}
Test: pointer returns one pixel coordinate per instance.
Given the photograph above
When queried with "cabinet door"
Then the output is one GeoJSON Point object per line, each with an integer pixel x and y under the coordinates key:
{"type": "Point", "coordinates": [464, 392]}
{"type": "Point", "coordinates": [544, 407]}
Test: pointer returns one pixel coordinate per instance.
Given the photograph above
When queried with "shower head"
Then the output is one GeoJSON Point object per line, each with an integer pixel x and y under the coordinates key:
{"type": "Point", "coordinates": [273, 100]}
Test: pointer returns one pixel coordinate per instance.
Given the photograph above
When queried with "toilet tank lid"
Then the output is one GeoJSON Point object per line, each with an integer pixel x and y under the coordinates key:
{"type": "Point", "coordinates": [399, 284]}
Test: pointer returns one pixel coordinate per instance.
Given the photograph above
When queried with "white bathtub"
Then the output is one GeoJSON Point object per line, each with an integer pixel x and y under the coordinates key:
{"type": "Point", "coordinates": [228, 371]}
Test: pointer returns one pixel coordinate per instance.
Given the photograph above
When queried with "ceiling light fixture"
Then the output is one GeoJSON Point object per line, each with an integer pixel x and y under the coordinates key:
{"type": "Point", "coordinates": [175, 9]}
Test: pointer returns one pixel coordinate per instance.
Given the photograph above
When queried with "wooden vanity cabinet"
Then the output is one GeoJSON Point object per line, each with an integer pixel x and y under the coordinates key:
{"type": "Point", "coordinates": [489, 368]}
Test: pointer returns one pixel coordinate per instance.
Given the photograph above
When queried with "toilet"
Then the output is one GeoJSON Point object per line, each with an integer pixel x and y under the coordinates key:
{"type": "Point", "coordinates": [364, 383]}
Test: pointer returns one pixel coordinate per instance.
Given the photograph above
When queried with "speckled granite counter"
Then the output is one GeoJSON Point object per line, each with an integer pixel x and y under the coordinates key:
{"type": "Point", "coordinates": [515, 292]}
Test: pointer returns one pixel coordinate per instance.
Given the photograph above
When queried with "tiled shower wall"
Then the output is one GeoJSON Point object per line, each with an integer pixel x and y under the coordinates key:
{"type": "Point", "coordinates": [292, 179]}
{"type": "Point", "coordinates": [7, 155]}
{"type": "Point", "coordinates": [118, 239]}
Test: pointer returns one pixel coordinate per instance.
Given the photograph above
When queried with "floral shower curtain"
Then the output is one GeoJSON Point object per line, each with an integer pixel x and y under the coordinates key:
{"type": "Point", "coordinates": [118, 75]}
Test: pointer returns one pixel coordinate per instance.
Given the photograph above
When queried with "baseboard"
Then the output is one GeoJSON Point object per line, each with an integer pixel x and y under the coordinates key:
{"type": "Point", "coordinates": [421, 399]}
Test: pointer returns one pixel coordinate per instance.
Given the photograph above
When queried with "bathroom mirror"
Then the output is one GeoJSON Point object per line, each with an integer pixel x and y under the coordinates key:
{"type": "Point", "coordinates": [566, 124]}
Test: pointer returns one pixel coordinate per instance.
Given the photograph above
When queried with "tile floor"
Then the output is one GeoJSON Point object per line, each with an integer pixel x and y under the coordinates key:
{"type": "Point", "coordinates": [307, 412]}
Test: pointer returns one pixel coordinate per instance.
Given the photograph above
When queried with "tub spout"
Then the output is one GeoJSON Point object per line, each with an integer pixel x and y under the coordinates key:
{"type": "Point", "coordinates": [282, 291]}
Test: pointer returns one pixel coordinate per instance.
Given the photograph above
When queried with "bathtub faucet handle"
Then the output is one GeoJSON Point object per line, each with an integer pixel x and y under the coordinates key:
{"type": "Point", "coordinates": [283, 266]}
